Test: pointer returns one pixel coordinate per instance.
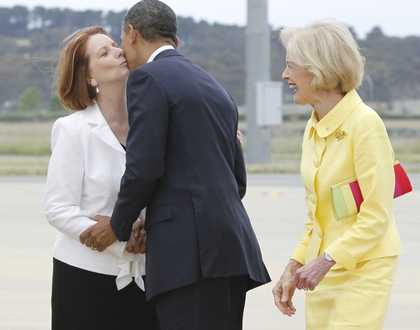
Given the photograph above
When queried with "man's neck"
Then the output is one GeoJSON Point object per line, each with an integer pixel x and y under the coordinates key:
{"type": "Point", "coordinates": [145, 51]}
{"type": "Point", "coordinates": [155, 46]}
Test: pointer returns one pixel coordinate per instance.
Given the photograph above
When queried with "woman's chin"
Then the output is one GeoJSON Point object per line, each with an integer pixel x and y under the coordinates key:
{"type": "Point", "coordinates": [298, 99]}
{"type": "Point", "coordinates": [125, 74]}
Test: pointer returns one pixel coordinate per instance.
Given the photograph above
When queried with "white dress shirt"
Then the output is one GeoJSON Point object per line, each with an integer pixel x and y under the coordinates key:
{"type": "Point", "coordinates": [84, 173]}
{"type": "Point", "coordinates": [158, 51]}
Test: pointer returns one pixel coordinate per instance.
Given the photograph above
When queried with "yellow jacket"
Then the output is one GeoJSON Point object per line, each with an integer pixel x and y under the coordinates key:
{"type": "Point", "coordinates": [350, 143]}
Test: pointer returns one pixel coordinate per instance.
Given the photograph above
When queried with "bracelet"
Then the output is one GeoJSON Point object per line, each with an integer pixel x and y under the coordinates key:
{"type": "Point", "coordinates": [328, 257]}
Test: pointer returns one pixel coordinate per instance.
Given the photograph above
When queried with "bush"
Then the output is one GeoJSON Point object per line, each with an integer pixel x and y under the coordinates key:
{"type": "Point", "coordinates": [30, 100]}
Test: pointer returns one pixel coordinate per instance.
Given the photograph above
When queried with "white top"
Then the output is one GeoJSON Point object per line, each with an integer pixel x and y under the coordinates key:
{"type": "Point", "coordinates": [158, 51]}
{"type": "Point", "coordinates": [84, 174]}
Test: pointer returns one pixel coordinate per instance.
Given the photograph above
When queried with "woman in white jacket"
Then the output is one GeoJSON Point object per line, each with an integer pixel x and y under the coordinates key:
{"type": "Point", "coordinates": [92, 289]}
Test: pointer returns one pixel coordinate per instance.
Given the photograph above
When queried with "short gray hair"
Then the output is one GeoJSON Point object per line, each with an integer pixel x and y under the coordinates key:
{"type": "Point", "coordinates": [328, 50]}
{"type": "Point", "coordinates": [153, 19]}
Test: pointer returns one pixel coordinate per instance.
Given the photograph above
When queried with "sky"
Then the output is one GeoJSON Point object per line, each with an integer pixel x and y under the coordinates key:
{"type": "Point", "coordinates": [396, 18]}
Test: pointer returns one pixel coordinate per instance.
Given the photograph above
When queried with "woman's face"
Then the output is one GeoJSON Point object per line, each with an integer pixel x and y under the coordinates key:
{"type": "Point", "coordinates": [299, 80]}
{"type": "Point", "coordinates": [107, 63]}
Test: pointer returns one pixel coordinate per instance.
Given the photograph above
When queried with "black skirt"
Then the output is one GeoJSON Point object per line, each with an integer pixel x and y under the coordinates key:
{"type": "Point", "coordinates": [84, 300]}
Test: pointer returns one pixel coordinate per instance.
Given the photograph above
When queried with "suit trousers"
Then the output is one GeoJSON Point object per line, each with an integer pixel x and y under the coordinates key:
{"type": "Point", "coordinates": [210, 304]}
{"type": "Point", "coordinates": [84, 300]}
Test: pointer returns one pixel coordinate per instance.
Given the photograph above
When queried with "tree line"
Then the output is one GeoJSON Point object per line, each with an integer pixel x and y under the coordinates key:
{"type": "Point", "coordinates": [30, 40]}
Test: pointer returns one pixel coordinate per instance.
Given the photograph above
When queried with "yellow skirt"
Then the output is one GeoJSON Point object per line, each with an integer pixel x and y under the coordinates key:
{"type": "Point", "coordinates": [346, 300]}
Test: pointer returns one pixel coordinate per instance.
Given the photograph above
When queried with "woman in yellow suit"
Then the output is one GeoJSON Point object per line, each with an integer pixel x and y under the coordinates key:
{"type": "Point", "coordinates": [348, 254]}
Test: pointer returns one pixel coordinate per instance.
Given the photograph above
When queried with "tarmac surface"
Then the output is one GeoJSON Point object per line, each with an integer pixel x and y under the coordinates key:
{"type": "Point", "coordinates": [276, 206]}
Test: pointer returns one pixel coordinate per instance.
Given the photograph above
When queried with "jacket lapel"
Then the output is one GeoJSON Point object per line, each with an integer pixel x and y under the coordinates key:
{"type": "Point", "coordinates": [101, 129]}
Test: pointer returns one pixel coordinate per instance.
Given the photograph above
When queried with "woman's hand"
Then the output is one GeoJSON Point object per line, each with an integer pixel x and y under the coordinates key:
{"type": "Point", "coordinates": [99, 236]}
{"type": "Point", "coordinates": [137, 242]}
{"type": "Point", "coordinates": [310, 275]}
{"type": "Point", "coordinates": [285, 288]}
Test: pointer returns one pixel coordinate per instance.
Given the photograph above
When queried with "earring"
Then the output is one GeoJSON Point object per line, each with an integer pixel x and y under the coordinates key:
{"type": "Point", "coordinates": [97, 90]}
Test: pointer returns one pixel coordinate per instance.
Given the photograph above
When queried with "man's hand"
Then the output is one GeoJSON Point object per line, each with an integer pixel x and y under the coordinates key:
{"type": "Point", "coordinates": [240, 136]}
{"type": "Point", "coordinates": [99, 236]}
{"type": "Point", "coordinates": [137, 242]}
{"type": "Point", "coordinates": [310, 275]}
{"type": "Point", "coordinates": [285, 288]}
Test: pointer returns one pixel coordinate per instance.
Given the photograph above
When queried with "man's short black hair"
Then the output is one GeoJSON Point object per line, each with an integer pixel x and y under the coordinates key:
{"type": "Point", "coordinates": [153, 19]}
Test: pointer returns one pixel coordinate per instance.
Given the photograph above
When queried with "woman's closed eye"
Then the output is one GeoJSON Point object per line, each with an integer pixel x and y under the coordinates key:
{"type": "Point", "coordinates": [103, 51]}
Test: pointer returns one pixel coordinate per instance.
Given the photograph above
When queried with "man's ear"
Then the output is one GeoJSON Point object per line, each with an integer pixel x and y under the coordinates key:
{"type": "Point", "coordinates": [132, 34]}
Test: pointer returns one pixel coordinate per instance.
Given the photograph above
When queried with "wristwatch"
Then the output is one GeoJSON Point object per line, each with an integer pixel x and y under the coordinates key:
{"type": "Point", "coordinates": [328, 257]}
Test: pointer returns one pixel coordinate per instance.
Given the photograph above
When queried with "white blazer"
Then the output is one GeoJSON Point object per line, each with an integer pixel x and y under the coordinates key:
{"type": "Point", "coordinates": [84, 173]}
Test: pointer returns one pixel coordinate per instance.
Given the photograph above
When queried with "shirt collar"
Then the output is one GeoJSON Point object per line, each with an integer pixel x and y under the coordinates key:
{"type": "Point", "coordinates": [93, 115]}
{"type": "Point", "coordinates": [158, 51]}
{"type": "Point", "coordinates": [336, 116]}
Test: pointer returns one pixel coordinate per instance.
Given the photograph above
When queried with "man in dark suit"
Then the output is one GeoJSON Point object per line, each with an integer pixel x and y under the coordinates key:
{"type": "Point", "coordinates": [185, 164]}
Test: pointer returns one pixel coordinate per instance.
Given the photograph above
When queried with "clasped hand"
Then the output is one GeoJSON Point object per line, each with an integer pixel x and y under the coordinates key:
{"type": "Point", "coordinates": [100, 236]}
{"type": "Point", "coordinates": [297, 276]}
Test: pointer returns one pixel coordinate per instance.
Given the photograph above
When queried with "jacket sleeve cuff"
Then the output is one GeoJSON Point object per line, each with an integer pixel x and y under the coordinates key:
{"type": "Point", "coordinates": [122, 231]}
{"type": "Point", "coordinates": [299, 254]}
{"type": "Point", "coordinates": [342, 257]}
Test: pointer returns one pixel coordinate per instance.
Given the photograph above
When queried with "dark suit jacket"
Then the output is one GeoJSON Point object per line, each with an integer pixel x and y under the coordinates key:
{"type": "Point", "coordinates": [185, 164]}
